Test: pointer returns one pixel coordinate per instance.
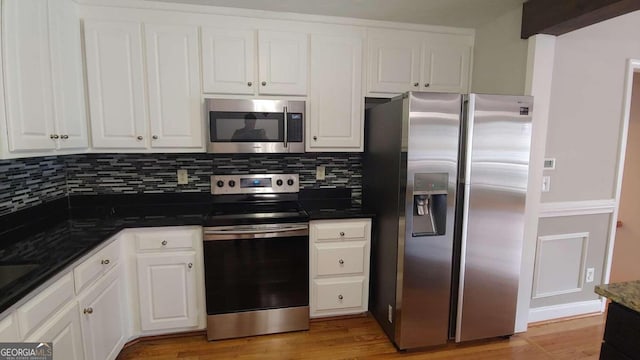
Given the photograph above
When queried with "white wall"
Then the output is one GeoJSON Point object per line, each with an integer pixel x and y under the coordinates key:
{"type": "Point", "coordinates": [586, 108]}
{"type": "Point", "coordinates": [584, 135]}
{"type": "Point", "coordinates": [500, 56]}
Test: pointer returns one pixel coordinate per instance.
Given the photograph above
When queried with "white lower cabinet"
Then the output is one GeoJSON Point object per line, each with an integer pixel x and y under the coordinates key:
{"type": "Point", "coordinates": [64, 331]}
{"type": "Point", "coordinates": [339, 266]}
{"type": "Point", "coordinates": [103, 308]}
{"type": "Point", "coordinates": [167, 289]}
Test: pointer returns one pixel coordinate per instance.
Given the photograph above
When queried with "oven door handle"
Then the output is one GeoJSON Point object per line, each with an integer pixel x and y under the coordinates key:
{"type": "Point", "coordinates": [232, 234]}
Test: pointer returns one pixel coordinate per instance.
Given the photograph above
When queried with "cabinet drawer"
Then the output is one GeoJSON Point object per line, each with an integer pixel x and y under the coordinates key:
{"type": "Point", "coordinates": [340, 230]}
{"type": "Point", "coordinates": [340, 259]}
{"type": "Point", "coordinates": [45, 304]}
{"type": "Point", "coordinates": [171, 239]}
{"type": "Point", "coordinates": [96, 265]}
{"type": "Point", "coordinates": [338, 294]}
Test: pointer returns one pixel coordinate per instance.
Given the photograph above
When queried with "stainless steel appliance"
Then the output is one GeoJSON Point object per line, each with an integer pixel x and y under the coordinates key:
{"type": "Point", "coordinates": [255, 126]}
{"type": "Point", "coordinates": [447, 177]}
{"type": "Point", "coordinates": [256, 257]}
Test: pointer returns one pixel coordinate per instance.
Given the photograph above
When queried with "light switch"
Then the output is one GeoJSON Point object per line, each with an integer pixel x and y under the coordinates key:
{"type": "Point", "coordinates": [546, 183]}
{"type": "Point", "coordinates": [320, 172]}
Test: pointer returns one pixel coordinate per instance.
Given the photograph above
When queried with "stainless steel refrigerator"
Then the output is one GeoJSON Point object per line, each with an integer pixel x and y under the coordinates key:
{"type": "Point", "coordinates": [447, 176]}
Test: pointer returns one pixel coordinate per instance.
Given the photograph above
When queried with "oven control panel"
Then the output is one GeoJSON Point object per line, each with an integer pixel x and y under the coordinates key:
{"type": "Point", "coordinates": [254, 184]}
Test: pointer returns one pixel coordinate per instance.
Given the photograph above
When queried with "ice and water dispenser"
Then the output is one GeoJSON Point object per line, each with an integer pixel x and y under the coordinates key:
{"type": "Point", "coordinates": [430, 204]}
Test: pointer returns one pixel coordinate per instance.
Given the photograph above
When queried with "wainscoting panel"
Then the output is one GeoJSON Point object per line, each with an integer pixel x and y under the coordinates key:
{"type": "Point", "coordinates": [560, 264]}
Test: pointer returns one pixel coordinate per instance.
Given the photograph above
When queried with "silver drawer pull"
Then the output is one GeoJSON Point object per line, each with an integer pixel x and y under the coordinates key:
{"type": "Point", "coordinates": [341, 262]}
{"type": "Point", "coordinates": [190, 265]}
{"type": "Point", "coordinates": [340, 297]}
{"type": "Point", "coordinates": [341, 233]}
{"type": "Point", "coordinates": [105, 262]}
{"type": "Point", "coordinates": [88, 310]}
{"type": "Point", "coordinates": [164, 242]}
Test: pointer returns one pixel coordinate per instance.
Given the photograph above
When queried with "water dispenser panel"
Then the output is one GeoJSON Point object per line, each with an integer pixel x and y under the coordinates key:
{"type": "Point", "coordinates": [430, 204]}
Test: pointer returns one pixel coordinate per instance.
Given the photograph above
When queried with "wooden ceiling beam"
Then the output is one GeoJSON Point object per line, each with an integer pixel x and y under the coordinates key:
{"type": "Point", "coordinates": [557, 17]}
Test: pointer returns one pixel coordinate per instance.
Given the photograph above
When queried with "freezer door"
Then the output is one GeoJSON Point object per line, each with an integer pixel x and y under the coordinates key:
{"type": "Point", "coordinates": [425, 243]}
{"type": "Point", "coordinates": [498, 147]}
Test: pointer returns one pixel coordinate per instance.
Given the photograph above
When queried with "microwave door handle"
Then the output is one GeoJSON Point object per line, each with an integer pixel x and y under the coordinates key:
{"type": "Point", "coordinates": [286, 135]}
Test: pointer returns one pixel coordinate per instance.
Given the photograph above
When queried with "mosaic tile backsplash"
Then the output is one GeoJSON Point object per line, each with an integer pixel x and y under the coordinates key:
{"type": "Point", "coordinates": [156, 173]}
{"type": "Point", "coordinates": [28, 182]}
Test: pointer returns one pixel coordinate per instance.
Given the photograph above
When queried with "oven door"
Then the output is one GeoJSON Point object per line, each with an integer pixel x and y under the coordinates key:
{"type": "Point", "coordinates": [256, 267]}
{"type": "Point", "coordinates": [255, 126]}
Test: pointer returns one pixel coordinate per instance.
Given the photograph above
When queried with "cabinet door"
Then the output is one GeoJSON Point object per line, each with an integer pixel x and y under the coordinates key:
{"type": "Point", "coordinates": [102, 311]}
{"type": "Point", "coordinates": [71, 117]}
{"type": "Point", "coordinates": [116, 84]}
{"type": "Point", "coordinates": [283, 62]}
{"type": "Point", "coordinates": [394, 61]}
{"type": "Point", "coordinates": [167, 290]}
{"type": "Point", "coordinates": [28, 79]}
{"type": "Point", "coordinates": [228, 61]}
{"type": "Point", "coordinates": [445, 63]}
{"type": "Point", "coordinates": [335, 94]}
{"type": "Point", "coordinates": [63, 330]}
{"type": "Point", "coordinates": [174, 86]}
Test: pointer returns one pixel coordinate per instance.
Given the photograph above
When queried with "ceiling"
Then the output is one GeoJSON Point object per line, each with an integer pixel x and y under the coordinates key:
{"type": "Point", "coordinates": [459, 13]}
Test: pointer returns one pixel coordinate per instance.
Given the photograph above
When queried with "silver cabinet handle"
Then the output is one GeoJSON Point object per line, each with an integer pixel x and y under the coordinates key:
{"type": "Point", "coordinates": [416, 84]}
{"type": "Point", "coordinates": [105, 262]}
{"type": "Point", "coordinates": [64, 137]}
{"type": "Point", "coordinates": [190, 265]}
{"type": "Point", "coordinates": [139, 138]}
{"type": "Point", "coordinates": [155, 137]}
{"type": "Point", "coordinates": [264, 83]}
{"type": "Point", "coordinates": [427, 85]}
{"type": "Point", "coordinates": [286, 116]}
{"type": "Point", "coordinates": [164, 243]}
{"type": "Point", "coordinates": [341, 262]}
{"type": "Point", "coordinates": [53, 136]}
{"type": "Point", "coordinates": [88, 310]}
{"type": "Point", "coordinates": [341, 233]}
{"type": "Point", "coordinates": [249, 83]}
{"type": "Point", "coordinates": [340, 297]}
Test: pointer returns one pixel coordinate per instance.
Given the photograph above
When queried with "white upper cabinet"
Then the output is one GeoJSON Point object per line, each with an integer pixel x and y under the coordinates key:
{"type": "Point", "coordinates": [402, 61]}
{"type": "Point", "coordinates": [283, 63]}
{"type": "Point", "coordinates": [335, 121]}
{"type": "Point", "coordinates": [69, 93]}
{"type": "Point", "coordinates": [116, 84]}
{"type": "Point", "coordinates": [394, 61]}
{"type": "Point", "coordinates": [43, 67]}
{"type": "Point", "coordinates": [229, 61]}
{"type": "Point", "coordinates": [173, 73]}
{"type": "Point", "coordinates": [27, 69]}
{"type": "Point", "coordinates": [446, 63]}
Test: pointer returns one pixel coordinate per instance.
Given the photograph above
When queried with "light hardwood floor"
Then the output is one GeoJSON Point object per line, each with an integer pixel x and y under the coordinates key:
{"type": "Point", "coordinates": [362, 338]}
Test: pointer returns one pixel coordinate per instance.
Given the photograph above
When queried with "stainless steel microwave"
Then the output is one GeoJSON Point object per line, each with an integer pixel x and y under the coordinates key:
{"type": "Point", "coordinates": [238, 126]}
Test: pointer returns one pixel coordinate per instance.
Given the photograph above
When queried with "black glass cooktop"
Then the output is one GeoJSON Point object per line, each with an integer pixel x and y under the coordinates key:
{"type": "Point", "coordinates": [241, 213]}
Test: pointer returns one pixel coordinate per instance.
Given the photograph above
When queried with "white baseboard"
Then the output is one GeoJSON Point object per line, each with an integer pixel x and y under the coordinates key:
{"type": "Point", "coordinates": [565, 310]}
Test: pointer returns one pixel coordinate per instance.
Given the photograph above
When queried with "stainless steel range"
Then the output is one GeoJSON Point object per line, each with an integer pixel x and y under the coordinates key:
{"type": "Point", "coordinates": [256, 255]}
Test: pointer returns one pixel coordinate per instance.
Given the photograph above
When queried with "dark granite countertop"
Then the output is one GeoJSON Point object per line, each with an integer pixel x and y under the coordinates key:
{"type": "Point", "coordinates": [625, 293]}
{"type": "Point", "coordinates": [44, 240]}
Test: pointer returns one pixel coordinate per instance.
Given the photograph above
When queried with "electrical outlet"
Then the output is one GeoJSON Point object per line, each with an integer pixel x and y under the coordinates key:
{"type": "Point", "coordinates": [390, 316]}
{"type": "Point", "coordinates": [183, 177]}
{"type": "Point", "coordinates": [320, 172]}
{"type": "Point", "coordinates": [590, 274]}
{"type": "Point", "coordinates": [546, 183]}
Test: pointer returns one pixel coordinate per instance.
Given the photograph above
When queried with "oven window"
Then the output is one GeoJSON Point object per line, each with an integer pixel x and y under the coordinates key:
{"type": "Point", "coordinates": [228, 126]}
{"type": "Point", "coordinates": [256, 274]}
